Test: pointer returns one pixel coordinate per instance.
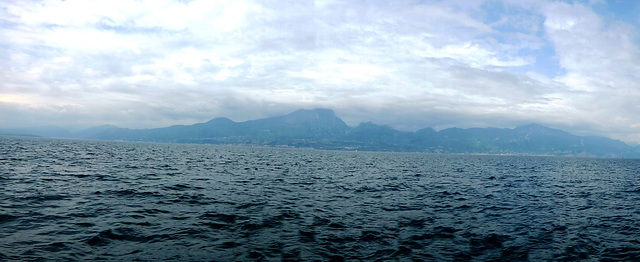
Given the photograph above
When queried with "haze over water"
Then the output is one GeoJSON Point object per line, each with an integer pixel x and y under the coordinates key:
{"type": "Point", "coordinates": [88, 200]}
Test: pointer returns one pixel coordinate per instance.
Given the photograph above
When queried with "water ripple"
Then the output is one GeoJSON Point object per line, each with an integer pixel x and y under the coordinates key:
{"type": "Point", "coordinates": [65, 200]}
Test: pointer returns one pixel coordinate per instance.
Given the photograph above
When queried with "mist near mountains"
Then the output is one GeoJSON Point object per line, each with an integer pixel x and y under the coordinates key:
{"type": "Point", "coordinates": [322, 129]}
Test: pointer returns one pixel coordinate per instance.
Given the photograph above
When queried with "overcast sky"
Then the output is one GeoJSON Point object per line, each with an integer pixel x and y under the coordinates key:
{"type": "Point", "coordinates": [573, 65]}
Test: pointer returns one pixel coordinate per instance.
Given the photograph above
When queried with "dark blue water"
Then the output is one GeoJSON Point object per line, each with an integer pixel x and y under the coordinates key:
{"type": "Point", "coordinates": [86, 200]}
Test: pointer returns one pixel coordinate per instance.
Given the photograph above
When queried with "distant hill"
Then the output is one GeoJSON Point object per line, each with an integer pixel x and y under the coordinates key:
{"type": "Point", "coordinates": [298, 127]}
{"type": "Point", "coordinates": [46, 131]}
{"type": "Point", "coordinates": [322, 129]}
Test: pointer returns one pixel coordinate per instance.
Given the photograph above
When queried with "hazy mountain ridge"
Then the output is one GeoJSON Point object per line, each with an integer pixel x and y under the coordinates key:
{"type": "Point", "coordinates": [322, 129]}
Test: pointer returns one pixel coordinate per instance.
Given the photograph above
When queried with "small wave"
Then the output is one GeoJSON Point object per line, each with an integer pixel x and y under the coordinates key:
{"type": "Point", "coordinates": [416, 223]}
{"type": "Point", "coordinates": [4, 218]}
{"type": "Point", "coordinates": [123, 234]}
{"type": "Point", "coordinates": [252, 204]}
{"type": "Point", "coordinates": [307, 235]}
{"type": "Point", "coordinates": [129, 193]}
{"type": "Point", "coordinates": [403, 207]}
{"type": "Point", "coordinates": [389, 254]}
{"type": "Point", "coordinates": [79, 175]}
{"type": "Point", "coordinates": [624, 253]}
{"type": "Point", "coordinates": [225, 218]}
{"type": "Point", "coordinates": [151, 211]}
{"type": "Point", "coordinates": [56, 247]}
{"type": "Point", "coordinates": [372, 236]}
{"type": "Point", "coordinates": [84, 214]}
{"type": "Point", "coordinates": [45, 197]}
{"type": "Point", "coordinates": [336, 225]}
{"type": "Point", "coordinates": [480, 243]}
{"type": "Point", "coordinates": [636, 190]}
{"type": "Point", "coordinates": [103, 237]}
{"type": "Point", "coordinates": [178, 187]}
{"type": "Point", "coordinates": [214, 225]}
{"type": "Point", "coordinates": [365, 188]}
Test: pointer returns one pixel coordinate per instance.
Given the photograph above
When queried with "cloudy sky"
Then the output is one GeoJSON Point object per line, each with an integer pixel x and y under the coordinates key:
{"type": "Point", "coordinates": [573, 65]}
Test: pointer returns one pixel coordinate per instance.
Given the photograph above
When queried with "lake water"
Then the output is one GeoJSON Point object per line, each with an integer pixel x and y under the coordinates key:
{"type": "Point", "coordinates": [90, 200]}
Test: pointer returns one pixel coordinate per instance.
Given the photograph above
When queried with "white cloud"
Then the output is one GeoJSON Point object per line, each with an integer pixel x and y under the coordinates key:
{"type": "Point", "coordinates": [411, 65]}
{"type": "Point", "coordinates": [602, 59]}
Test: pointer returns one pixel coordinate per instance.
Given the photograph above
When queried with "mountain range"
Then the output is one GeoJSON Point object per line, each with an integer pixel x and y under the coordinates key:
{"type": "Point", "coordinates": [322, 129]}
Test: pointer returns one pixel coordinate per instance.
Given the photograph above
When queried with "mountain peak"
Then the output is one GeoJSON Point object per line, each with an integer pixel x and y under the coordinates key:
{"type": "Point", "coordinates": [531, 126]}
{"type": "Point", "coordinates": [540, 129]}
{"type": "Point", "coordinates": [220, 121]}
{"type": "Point", "coordinates": [316, 116]}
{"type": "Point", "coordinates": [319, 112]}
